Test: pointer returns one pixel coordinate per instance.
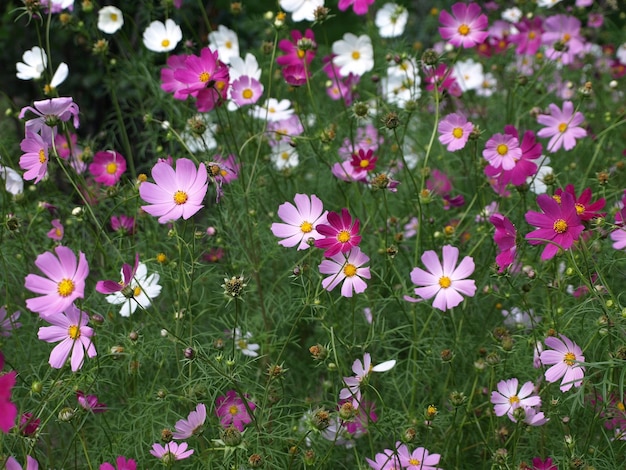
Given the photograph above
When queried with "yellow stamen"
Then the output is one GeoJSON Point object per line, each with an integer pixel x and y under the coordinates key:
{"type": "Point", "coordinates": [42, 156]}
{"type": "Point", "coordinates": [113, 17]}
{"type": "Point", "coordinates": [414, 462]}
{"type": "Point", "coordinates": [356, 55]}
{"type": "Point", "coordinates": [300, 54]}
{"type": "Point", "coordinates": [180, 197]}
{"type": "Point", "coordinates": [136, 291]}
{"type": "Point", "coordinates": [111, 168]}
{"type": "Point", "coordinates": [569, 358]}
{"type": "Point", "coordinates": [502, 149]}
{"type": "Point", "coordinates": [562, 127]}
{"type": "Point", "coordinates": [445, 282]}
{"type": "Point", "coordinates": [233, 410]}
{"type": "Point", "coordinates": [204, 77]}
{"type": "Point", "coordinates": [557, 198]}
{"type": "Point", "coordinates": [65, 287]}
{"type": "Point", "coordinates": [560, 226]}
{"type": "Point", "coordinates": [513, 400]}
{"type": "Point", "coordinates": [165, 42]}
{"type": "Point", "coordinates": [579, 208]}
{"type": "Point", "coordinates": [306, 227]}
{"type": "Point", "coordinates": [74, 332]}
{"type": "Point", "coordinates": [566, 37]}
{"type": "Point", "coordinates": [228, 45]}
{"type": "Point", "coordinates": [364, 163]}
{"type": "Point", "coordinates": [343, 236]}
{"type": "Point", "coordinates": [463, 30]}
{"type": "Point", "coordinates": [349, 270]}
{"type": "Point", "coordinates": [247, 94]}
{"type": "Point", "coordinates": [457, 132]}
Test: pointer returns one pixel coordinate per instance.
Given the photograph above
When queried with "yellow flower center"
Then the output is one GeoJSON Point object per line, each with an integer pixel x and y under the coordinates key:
{"type": "Point", "coordinates": [532, 35]}
{"type": "Point", "coordinates": [300, 54]}
{"type": "Point", "coordinates": [364, 163]}
{"type": "Point", "coordinates": [343, 236]}
{"type": "Point", "coordinates": [165, 42]}
{"type": "Point", "coordinates": [457, 132]}
{"type": "Point", "coordinates": [180, 197]}
{"type": "Point", "coordinates": [444, 282]}
{"type": "Point", "coordinates": [204, 77]}
{"type": "Point", "coordinates": [284, 155]}
{"type": "Point", "coordinates": [220, 85]}
{"type": "Point", "coordinates": [557, 198]}
{"type": "Point", "coordinates": [113, 17]}
{"type": "Point", "coordinates": [569, 358]}
{"type": "Point", "coordinates": [233, 410]}
{"type": "Point", "coordinates": [228, 45]}
{"type": "Point", "coordinates": [620, 406]}
{"type": "Point", "coordinates": [57, 232]}
{"type": "Point", "coordinates": [136, 291]}
{"type": "Point", "coordinates": [414, 462]}
{"type": "Point", "coordinates": [306, 227]}
{"type": "Point", "coordinates": [566, 37]}
{"type": "Point", "coordinates": [464, 30]}
{"type": "Point", "coordinates": [247, 93]}
{"type": "Point", "coordinates": [562, 127]}
{"type": "Point", "coordinates": [356, 55]}
{"type": "Point", "coordinates": [560, 226]}
{"type": "Point", "coordinates": [74, 331]}
{"type": "Point", "coordinates": [513, 400]}
{"type": "Point", "coordinates": [65, 287]}
{"type": "Point", "coordinates": [502, 149]}
{"type": "Point", "coordinates": [111, 168]}
{"type": "Point", "coordinates": [579, 208]}
{"type": "Point", "coordinates": [42, 156]}
{"type": "Point", "coordinates": [349, 270]}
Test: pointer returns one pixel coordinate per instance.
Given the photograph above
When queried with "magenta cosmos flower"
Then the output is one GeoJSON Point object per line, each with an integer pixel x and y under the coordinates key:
{"type": "Point", "coordinates": [466, 27]}
{"type": "Point", "coordinates": [547, 464]}
{"type": "Point", "coordinates": [562, 126]}
{"type": "Point", "coordinates": [585, 209]}
{"type": "Point", "coordinates": [8, 410]}
{"type": "Point", "coordinates": [121, 463]}
{"type": "Point", "coordinates": [507, 399]}
{"type": "Point", "coordinates": [128, 273]}
{"type": "Point", "coordinates": [502, 151]}
{"type": "Point", "coordinates": [232, 411]}
{"type": "Point", "coordinates": [564, 357]}
{"type": "Point", "coordinates": [171, 452]}
{"type": "Point", "coordinates": [454, 131]}
{"type": "Point", "coordinates": [505, 237]}
{"type": "Point", "coordinates": [301, 221]}
{"type": "Point", "coordinates": [347, 269]}
{"type": "Point", "coordinates": [35, 157]}
{"type": "Point", "coordinates": [419, 459]}
{"type": "Point", "coordinates": [185, 428]}
{"type": "Point", "coordinates": [31, 464]}
{"type": "Point", "coordinates": [90, 402]}
{"type": "Point", "coordinates": [70, 328]}
{"type": "Point", "coordinates": [340, 234]}
{"type": "Point", "coordinates": [65, 281]}
{"type": "Point", "coordinates": [444, 280]}
{"type": "Point", "coordinates": [293, 54]}
{"type": "Point", "coordinates": [177, 193]}
{"type": "Point", "coordinates": [558, 226]}
{"type": "Point", "coordinates": [360, 7]}
{"type": "Point", "coordinates": [107, 167]}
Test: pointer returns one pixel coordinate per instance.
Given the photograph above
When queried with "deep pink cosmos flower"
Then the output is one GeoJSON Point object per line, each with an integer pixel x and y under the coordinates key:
{"type": "Point", "coordinates": [364, 160]}
{"type": "Point", "coordinates": [107, 167]}
{"type": "Point", "coordinates": [56, 233]}
{"type": "Point", "coordinates": [348, 269]}
{"type": "Point", "coordinates": [564, 357]}
{"type": "Point", "coordinates": [65, 281]}
{"type": "Point", "coordinates": [523, 167]}
{"type": "Point", "coordinates": [562, 126]}
{"type": "Point", "coordinates": [169, 84]}
{"type": "Point", "coordinates": [171, 451]}
{"type": "Point", "coordinates": [294, 54]}
{"type": "Point", "coordinates": [585, 209]}
{"type": "Point", "coordinates": [419, 459]}
{"type": "Point", "coordinates": [295, 75]}
{"type": "Point", "coordinates": [70, 328]}
{"type": "Point", "coordinates": [232, 411]}
{"type": "Point", "coordinates": [90, 402]}
{"type": "Point", "coordinates": [123, 223]}
{"type": "Point", "coordinates": [442, 79]}
{"type": "Point", "coordinates": [128, 273]}
{"type": "Point", "coordinates": [49, 114]}
{"type": "Point", "coordinates": [502, 151]}
{"type": "Point", "coordinates": [507, 399]}
{"type": "Point", "coordinates": [505, 237]}
{"type": "Point", "coordinates": [540, 464]}
{"type": "Point", "coordinates": [359, 7]}
{"type": "Point", "coordinates": [121, 463]}
{"type": "Point", "coordinates": [175, 194]}
{"type": "Point", "coordinates": [29, 424]}
{"type": "Point", "coordinates": [444, 280]}
{"type": "Point", "coordinates": [8, 322]}
{"type": "Point", "coordinates": [185, 428]}
{"type": "Point", "coordinates": [35, 157]}
{"type": "Point", "coordinates": [202, 72]}
{"type": "Point", "coordinates": [8, 410]}
{"type": "Point", "coordinates": [340, 234]}
{"type": "Point", "coordinates": [558, 226]}
{"type": "Point", "coordinates": [454, 131]}
{"type": "Point", "coordinates": [466, 27]}
{"type": "Point", "coordinates": [528, 36]}
{"type": "Point", "coordinates": [300, 221]}
{"type": "Point", "coordinates": [12, 464]}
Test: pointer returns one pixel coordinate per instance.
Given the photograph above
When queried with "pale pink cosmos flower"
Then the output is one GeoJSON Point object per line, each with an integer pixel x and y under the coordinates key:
{"type": "Point", "coordinates": [49, 114]}
{"type": "Point", "coordinates": [107, 167]}
{"type": "Point", "coordinates": [63, 284]}
{"type": "Point", "coordinates": [185, 428]}
{"type": "Point", "coordinates": [348, 269]}
{"type": "Point", "coordinates": [56, 233]}
{"type": "Point", "coordinates": [8, 322]}
{"type": "Point", "coordinates": [619, 234]}
{"type": "Point", "coordinates": [171, 451]}
{"type": "Point", "coordinates": [454, 131]}
{"type": "Point", "coordinates": [564, 357]}
{"type": "Point", "coordinates": [300, 221]}
{"type": "Point", "coordinates": [502, 151]}
{"type": "Point", "coordinates": [175, 193]}
{"type": "Point", "coordinates": [466, 27]}
{"type": "Point", "coordinates": [35, 158]}
{"type": "Point", "coordinates": [70, 328]}
{"type": "Point", "coordinates": [444, 280]}
{"type": "Point", "coordinates": [562, 126]}
{"type": "Point", "coordinates": [12, 464]}
{"type": "Point", "coordinates": [385, 460]}
{"type": "Point", "coordinates": [507, 398]}
{"type": "Point", "coordinates": [419, 459]}
{"type": "Point", "coordinates": [121, 463]}
{"type": "Point", "coordinates": [232, 411]}
{"type": "Point", "coordinates": [361, 370]}
{"type": "Point", "coordinates": [246, 90]}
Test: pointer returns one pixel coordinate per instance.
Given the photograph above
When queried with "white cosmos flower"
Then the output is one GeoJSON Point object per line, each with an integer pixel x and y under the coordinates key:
{"type": "Point", "coordinates": [35, 62]}
{"type": "Point", "coordinates": [391, 20]}
{"type": "Point", "coordinates": [110, 19]}
{"type": "Point", "coordinates": [353, 54]}
{"type": "Point", "coordinates": [536, 183]}
{"type": "Point", "coordinates": [145, 288]}
{"type": "Point", "coordinates": [547, 3]}
{"type": "Point", "coordinates": [301, 9]}
{"type": "Point", "coordinates": [512, 15]}
{"type": "Point", "coordinates": [273, 110]}
{"type": "Point", "coordinates": [159, 37]}
{"type": "Point", "coordinates": [284, 156]}
{"type": "Point", "coordinates": [59, 76]}
{"type": "Point", "coordinates": [621, 53]}
{"type": "Point", "coordinates": [226, 42]}
{"type": "Point", "coordinates": [241, 343]}
{"type": "Point", "coordinates": [469, 74]}
{"type": "Point", "coordinates": [402, 83]}
{"type": "Point", "coordinates": [204, 142]}
{"type": "Point", "coordinates": [488, 87]}
{"type": "Point", "coordinates": [13, 182]}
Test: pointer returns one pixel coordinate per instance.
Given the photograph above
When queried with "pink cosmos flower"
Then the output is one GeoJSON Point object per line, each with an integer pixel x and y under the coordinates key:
{"type": "Point", "coordinates": [64, 148]}
{"type": "Point", "coordinates": [340, 234]}
{"type": "Point", "coordinates": [70, 328]}
{"type": "Point", "coordinates": [528, 36]}
{"type": "Point", "coordinates": [454, 131]}
{"type": "Point", "coordinates": [585, 209]}
{"type": "Point", "coordinates": [345, 171]}
{"type": "Point", "coordinates": [565, 30]}
{"type": "Point", "coordinates": [385, 460]}
{"type": "Point", "coordinates": [123, 223]}
{"type": "Point", "coordinates": [558, 226]}
{"type": "Point", "coordinates": [444, 280]}
{"type": "Point", "coordinates": [12, 464]}
{"type": "Point", "coordinates": [108, 167]}
{"type": "Point", "coordinates": [295, 75]}
{"type": "Point", "coordinates": [56, 233]}
{"type": "Point", "coordinates": [128, 273]}
{"type": "Point", "coordinates": [419, 459]}
{"type": "Point", "coordinates": [65, 281]}
{"type": "Point", "coordinates": [29, 424]}
{"type": "Point", "coordinates": [507, 399]}
{"type": "Point", "coordinates": [523, 166]}
{"type": "Point", "coordinates": [347, 269]}
{"type": "Point", "coordinates": [8, 410]}
{"type": "Point", "coordinates": [466, 27]}
{"type": "Point", "coordinates": [619, 234]}
{"type": "Point", "coordinates": [169, 84]}
{"type": "Point", "coordinates": [562, 126]}
{"type": "Point", "coordinates": [185, 428]}
{"type": "Point", "coordinates": [202, 72]}
{"type": "Point", "coordinates": [246, 90]}
{"type": "Point", "coordinates": [359, 7]}
{"type": "Point", "coordinates": [121, 463]}
{"type": "Point", "coordinates": [564, 357]}
{"type": "Point", "coordinates": [90, 402]}
{"type": "Point", "coordinates": [171, 451]}
{"type": "Point", "coordinates": [49, 114]}
{"type": "Point", "coordinates": [293, 54]}
{"type": "Point", "coordinates": [284, 129]}
{"type": "Point", "coordinates": [301, 221]}
{"type": "Point", "coordinates": [505, 237]}
{"type": "Point", "coordinates": [8, 323]}
{"type": "Point", "coordinates": [232, 411]}
{"type": "Point", "coordinates": [35, 158]}
{"type": "Point", "coordinates": [502, 151]}
{"type": "Point", "coordinates": [175, 194]}
{"type": "Point", "coordinates": [361, 370]}
{"type": "Point", "coordinates": [540, 464]}
{"type": "Point", "coordinates": [441, 79]}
